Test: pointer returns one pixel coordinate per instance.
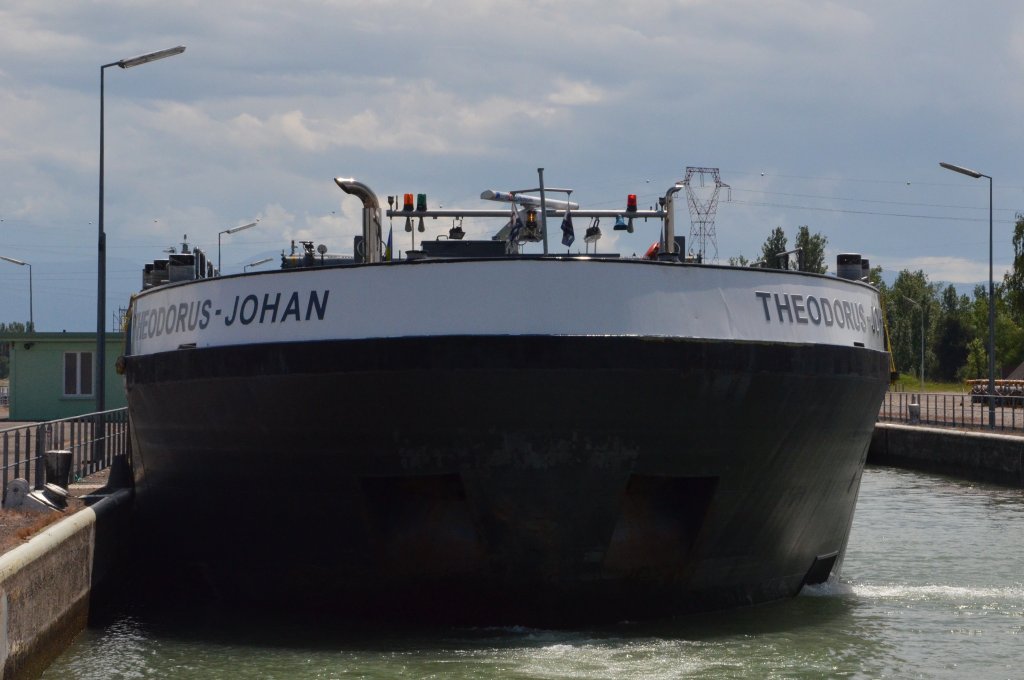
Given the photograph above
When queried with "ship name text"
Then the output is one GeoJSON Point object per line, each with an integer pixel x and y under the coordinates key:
{"type": "Point", "coordinates": [268, 308]}
{"type": "Point", "coordinates": [819, 311]}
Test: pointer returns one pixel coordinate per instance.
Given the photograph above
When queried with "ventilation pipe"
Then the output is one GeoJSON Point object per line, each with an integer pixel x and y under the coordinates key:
{"type": "Point", "coordinates": [371, 216]}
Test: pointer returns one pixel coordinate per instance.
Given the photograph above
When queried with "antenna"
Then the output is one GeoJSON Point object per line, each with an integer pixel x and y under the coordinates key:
{"type": "Point", "coordinates": [702, 212]}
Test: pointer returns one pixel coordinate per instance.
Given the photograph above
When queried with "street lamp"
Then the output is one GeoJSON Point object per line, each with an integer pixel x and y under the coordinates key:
{"type": "Point", "coordinates": [101, 274]}
{"type": "Point", "coordinates": [257, 263]}
{"type": "Point", "coordinates": [232, 230]}
{"type": "Point", "coordinates": [922, 338]}
{"type": "Point", "coordinates": [991, 296]}
{"type": "Point", "coordinates": [31, 320]}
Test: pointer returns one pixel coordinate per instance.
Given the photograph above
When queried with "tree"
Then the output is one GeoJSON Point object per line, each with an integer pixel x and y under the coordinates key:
{"type": "Point", "coordinates": [739, 261]}
{"type": "Point", "coordinates": [812, 258]}
{"type": "Point", "coordinates": [956, 327]}
{"type": "Point", "coordinates": [910, 296]}
{"type": "Point", "coordinates": [1009, 339]}
{"type": "Point", "coordinates": [1013, 280]}
{"type": "Point", "coordinates": [875, 278]}
{"type": "Point", "coordinates": [1009, 336]}
{"type": "Point", "coordinates": [773, 245]}
{"type": "Point", "coordinates": [813, 246]}
{"type": "Point", "coordinates": [15, 327]}
{"type": "Point", "coordinates": [977, 361]}
{"type": "Point", "coordinates": [951, 335]}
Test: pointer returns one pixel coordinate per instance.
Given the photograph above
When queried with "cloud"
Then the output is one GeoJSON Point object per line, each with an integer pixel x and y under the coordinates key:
{"type": "Point", "coordinates": [414, 116]}
{"type": "Point", "coordinates": [568, 93]}
{"type": "Point", "coordinates": [939, 268]}
{"type": "Point", "coordinates": [22, 32]}
{"type": "Point", "coordinates": [840, 102]}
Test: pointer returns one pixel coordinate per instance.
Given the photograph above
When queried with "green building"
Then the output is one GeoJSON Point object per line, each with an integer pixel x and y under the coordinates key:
{"type": "Point", "coordinates": [52, 374]}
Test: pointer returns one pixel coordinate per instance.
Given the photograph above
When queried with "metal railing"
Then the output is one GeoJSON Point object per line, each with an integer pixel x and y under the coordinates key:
{"type": "Point", "coordinates": [963, 411]}
{"type": "Point", "coordinates": [94, 440]}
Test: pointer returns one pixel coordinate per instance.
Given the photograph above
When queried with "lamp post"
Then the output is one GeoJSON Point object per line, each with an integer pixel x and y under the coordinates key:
{"type": "Point", "coordinates": [920, 307]}
{"type": "Point", "coordinates": [31, 320]}
{"type": "Point", "coordinates": [257, 263]}
{"type": "Point", "coordinates": [101, 274]}
{"type": "Point", "coordinates": [232, 230]}
{"type": "Point", "coordinates": [991, 296]}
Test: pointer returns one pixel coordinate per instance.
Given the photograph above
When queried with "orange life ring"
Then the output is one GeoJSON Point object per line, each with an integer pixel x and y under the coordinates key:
{"type": "Point", "coordinates": [652, 252]}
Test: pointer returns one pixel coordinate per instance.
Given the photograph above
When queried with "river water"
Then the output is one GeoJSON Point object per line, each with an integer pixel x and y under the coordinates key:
{"type": "Point", "coordinates": [932, 587]}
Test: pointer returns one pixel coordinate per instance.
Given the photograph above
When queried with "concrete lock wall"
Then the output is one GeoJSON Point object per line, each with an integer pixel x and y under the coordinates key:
{"type": "Point", "coordinates": [982, 456]}
{"type": "Point", "coordinates": [45, 585]}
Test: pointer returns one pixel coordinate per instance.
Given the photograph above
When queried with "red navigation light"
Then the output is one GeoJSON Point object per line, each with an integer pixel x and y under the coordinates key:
{"type": "Point", "coordinates": [631, 203]}
{"type": "Point", "coordinates": [407, 203]}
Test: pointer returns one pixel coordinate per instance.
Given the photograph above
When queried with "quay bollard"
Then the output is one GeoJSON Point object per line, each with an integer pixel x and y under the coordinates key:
{"type": "Point", "coordinates": [58, 468]}
{"type": "Point", "coordinates": [914, 413]}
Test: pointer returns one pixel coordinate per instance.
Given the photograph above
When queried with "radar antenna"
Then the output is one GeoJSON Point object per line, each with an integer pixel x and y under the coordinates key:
{"type": "Point", "coordinates": [702, 212]}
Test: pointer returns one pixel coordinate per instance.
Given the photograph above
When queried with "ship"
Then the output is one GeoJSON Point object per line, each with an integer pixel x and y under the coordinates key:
{"type": "Point", "coordinates": [476, 433]}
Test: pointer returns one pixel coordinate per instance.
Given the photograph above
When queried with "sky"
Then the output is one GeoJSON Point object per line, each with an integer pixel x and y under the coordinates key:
{"type": "Point", "coordinates": [833, 115]}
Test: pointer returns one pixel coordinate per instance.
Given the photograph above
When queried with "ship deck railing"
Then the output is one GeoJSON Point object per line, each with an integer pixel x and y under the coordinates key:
{"type": "Point", "coordinates": [95, 440]}
{"type": "Point", "coordinates": [964, 411]}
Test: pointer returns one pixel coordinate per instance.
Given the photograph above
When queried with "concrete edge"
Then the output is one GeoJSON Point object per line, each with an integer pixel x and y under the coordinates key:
{"type": "Point", "coordinates": [967, 454]}
{"type": "Point", "coordinates": [60, 564]}
{"type": "Point", "coordinates": [44, 542]}
{"type": "Point", "coordinates": [981, 435]}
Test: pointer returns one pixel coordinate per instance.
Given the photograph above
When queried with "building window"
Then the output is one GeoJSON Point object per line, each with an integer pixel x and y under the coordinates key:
{"type": "Point", "coordinates": [77, 374]}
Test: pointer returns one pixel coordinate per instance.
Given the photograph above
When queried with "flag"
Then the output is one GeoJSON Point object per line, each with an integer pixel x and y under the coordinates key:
{"type": "Point", "coordinates": [568, 235]}
{"type": "Point", "coordinates": [517, 226]}
{"type": "Point", "coordinates": [387, 249]}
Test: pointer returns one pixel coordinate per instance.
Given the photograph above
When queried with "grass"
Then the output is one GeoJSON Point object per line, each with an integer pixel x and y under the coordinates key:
{"type": "Point", "coordinates": [910, 383]}
{"type": "Point", "coordinates": [39, 524]}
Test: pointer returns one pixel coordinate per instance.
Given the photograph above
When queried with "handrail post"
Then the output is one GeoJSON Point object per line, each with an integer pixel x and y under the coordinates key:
{"type": "Point", "coordinates": [40, 469]}
{"type": "Point", "coordinates": [97, 442]}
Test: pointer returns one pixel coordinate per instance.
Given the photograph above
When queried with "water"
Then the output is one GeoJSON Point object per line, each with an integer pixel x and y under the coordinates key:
{"type": "Point", "coordinates": [933, 587]}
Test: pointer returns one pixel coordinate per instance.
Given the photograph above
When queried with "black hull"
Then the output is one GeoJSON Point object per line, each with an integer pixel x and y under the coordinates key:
{"type": "Point", "coordinates": [505, 479]}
